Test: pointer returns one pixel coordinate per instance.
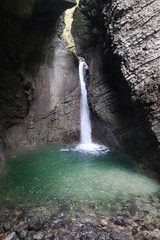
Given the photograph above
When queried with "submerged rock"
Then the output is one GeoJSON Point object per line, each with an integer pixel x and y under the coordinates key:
{"type": "Point", "coordinates": [49, 236]}
{"type": "Point", "coordinates": [75, 228]}
{"type": "Point", "coordinates": [120, 236]}
{"type": "Point", "coordinates": [31, 233]}
{"type": "Point", "coordinates": [36, 223]}
{"type": "Point", "coordinates": [20, 227]}
{"type": "Point", "coordinates": [23, 233]}
{"type": "Point", "coordinates": [7, 226]}
{"type": "Point", "coordinates": [124, 221]}
{"type": "Point", "coordinates": [103, 237]}
{"type": "Point", "coordinates": [148, 227]}
{"type": "Point", "coordinates": [87, 236]}
{"type": "Point", "coordinates": [39, 235]}
{"type": "Point", "coordinates": [134, 231]}
{"type": "Point", "coordinates": [12, 236]}
{"type": "Point", "coordinates": [104, 222]}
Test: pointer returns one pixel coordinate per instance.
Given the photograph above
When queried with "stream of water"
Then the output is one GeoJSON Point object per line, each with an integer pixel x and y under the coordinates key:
{"type": "Point", "coordinates": [85, 127]}
{"type": "Point", "coordinates": [86, 143]}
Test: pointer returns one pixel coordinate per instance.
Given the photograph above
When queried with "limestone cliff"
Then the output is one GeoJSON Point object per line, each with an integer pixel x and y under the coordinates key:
{"type": "Point", "coordinates": [120, 42]}
{"type": "Point", "coordinates": [36, 73]}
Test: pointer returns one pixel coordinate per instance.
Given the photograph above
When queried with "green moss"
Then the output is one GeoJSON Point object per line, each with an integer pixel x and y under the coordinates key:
{"type": "Point", "coordinates": [78, 24]}
{"type": "Point", "coordinates": [67, 35]}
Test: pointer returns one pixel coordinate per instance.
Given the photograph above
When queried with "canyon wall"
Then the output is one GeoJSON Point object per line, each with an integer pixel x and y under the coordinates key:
{"type": "Point", "coordinates": [38, 75]}
{"type": "Point", "coordinates": [120, 42]}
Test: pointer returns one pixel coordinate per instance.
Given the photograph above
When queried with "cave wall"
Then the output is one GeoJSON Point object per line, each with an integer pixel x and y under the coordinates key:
{"type": "Point", "coordinates": [36, 73]}
{"type": "Point", "coordinates": [122, 48]}
{"type": "Point", "coordinates": [54, 113]}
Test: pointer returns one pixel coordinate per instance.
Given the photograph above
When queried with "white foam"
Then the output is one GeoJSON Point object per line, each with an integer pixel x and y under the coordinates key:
{"type": "Point", "coordinates": [64, 150]}
{"type": "Point", "coordinates": [91, 148]}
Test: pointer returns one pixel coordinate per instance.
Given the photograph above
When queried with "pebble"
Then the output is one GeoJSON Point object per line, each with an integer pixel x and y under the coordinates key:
{"type": "Point", "coordinates": [103, 237]}
{"type": "Point", "coordinates": [104, 222]}
{"type": "Point", "coordinates": [134, 231]}
{"type": "Point", "coordinates": [87, 236]}
{"type": "Point", "coordinates": [140, 237]}
{"type": "Point", "coordinates": [11, 236]}
{"type": "Point", "coordinates": [148, 227]}
{"type": "Point", "coordinates": [23, 233]}
{"type": "Point", "coordinates": [82, 225]}
{"type": "Point", "coordinates": [38, 235]}
{"type": "Point", "coordinates": [123, 221]}
{"type": "Point", "coordinates": [20, 226]}
{"type": "Point", "coordinates": [49, 236]}
{"type": "Point", "coordinates": [7, 226]}
{"type": "Point", "coordinates": [66, 238]}
{"type": "Point", "coordinates": [36, 223]}
{"type": "Point", "coordinates": [127, 221]}
{"type": "Point", "coordinates": [31, 233]}
{"type": "Point", "coordinates": [119, 225]}
{"type": "Point", "coordinates": [119, 236]}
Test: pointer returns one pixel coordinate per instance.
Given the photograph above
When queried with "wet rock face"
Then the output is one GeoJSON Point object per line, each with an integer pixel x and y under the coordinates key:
{"type": "Point", "coordinates": [61, 125]}
{"type": "Point", "coordinates": [121, 47]}
{"type": "Point", "coordinates": [34, 65]}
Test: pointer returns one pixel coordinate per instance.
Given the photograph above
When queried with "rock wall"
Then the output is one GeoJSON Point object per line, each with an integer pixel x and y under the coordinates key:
{"type": "Point", "coordinates": [54, 113]}
{"type": "Point", "coordinates": [36, 73]}
{"type": "Point", "coordinates": [122, 49]}
{"type": "Point", "coordinates": [61, 125]}
{"type": "Point", "coordinates": [57, 77]}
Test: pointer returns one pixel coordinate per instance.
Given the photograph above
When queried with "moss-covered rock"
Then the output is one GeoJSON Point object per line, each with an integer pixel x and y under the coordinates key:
{"type": "Point", "coordinates": [82, 27]}
{"type": "Point", "coordinates": [66, 35]}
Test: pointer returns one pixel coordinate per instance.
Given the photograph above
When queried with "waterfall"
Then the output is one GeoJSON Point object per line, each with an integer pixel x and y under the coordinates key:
{"type": "Point", "coordinates": [85, 130]}
{"type": "Point", "coordinates": [86, 145]}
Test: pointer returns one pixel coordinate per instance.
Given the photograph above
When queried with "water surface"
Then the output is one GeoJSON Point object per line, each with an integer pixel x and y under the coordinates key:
{"type": "Point", "coordinates": [54, 178]}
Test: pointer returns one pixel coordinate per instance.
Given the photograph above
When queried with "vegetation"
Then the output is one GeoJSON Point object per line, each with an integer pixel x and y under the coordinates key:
{"type": "Point", "coordinates": [66, 35]}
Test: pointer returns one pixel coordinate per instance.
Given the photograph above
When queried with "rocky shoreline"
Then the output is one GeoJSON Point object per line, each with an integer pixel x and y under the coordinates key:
{"type": "Point", "coordinates": [125, 221]}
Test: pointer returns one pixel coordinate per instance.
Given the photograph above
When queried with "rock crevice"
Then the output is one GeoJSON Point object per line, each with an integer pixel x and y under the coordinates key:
{"type": "Point", "coordinates": [121, 47]}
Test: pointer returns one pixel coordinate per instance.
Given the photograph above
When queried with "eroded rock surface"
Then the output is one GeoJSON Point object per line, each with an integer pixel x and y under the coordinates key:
{"type": "Point", "coordinates": [36, 70]}
{"type": "Point", "coordinates": [61, 125]}
{"type": "Point", "coordinates": [120, 42]}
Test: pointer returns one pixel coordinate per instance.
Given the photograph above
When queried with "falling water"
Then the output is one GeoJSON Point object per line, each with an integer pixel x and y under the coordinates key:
{"type": "Point", "coordinates": [84, 110]}
{"type": "Point", "coordinates": [86, 143]}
